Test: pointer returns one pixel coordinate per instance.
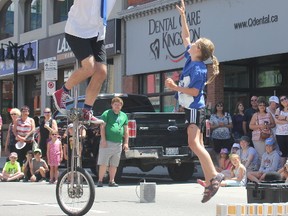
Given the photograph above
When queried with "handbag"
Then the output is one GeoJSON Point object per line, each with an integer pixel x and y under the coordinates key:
{"type": "Point", "coordinates": [265, 134]}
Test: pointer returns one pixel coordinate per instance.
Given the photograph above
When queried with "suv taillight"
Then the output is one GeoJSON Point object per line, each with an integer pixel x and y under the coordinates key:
{"type": "Point", "coordinates": [132, 128]}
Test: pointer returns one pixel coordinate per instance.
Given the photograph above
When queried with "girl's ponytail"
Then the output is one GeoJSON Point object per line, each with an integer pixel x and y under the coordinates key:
{"type": "Point", "coordinates": [215, 65]}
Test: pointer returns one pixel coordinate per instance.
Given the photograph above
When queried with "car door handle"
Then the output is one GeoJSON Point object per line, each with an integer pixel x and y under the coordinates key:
{"type": "Point", "coordinates": [172, 128]}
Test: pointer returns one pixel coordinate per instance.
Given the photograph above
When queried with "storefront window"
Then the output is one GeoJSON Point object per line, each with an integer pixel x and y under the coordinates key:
{"type": "Point", "coordinates": [61, 9]}
{"type": "Point", "coordinates": [236, 76]}
{"type": "Point", "coordinates": [151, 83]}
{"type": "Point", "coordinates": [6, 100]}
{"type": "Point", "coordinates": [155, 101]}
{"type": "Point", "coordinates": [33, 15]}
{"type": "Point", "coordinates": [170, 104]}
{"type": "Point", "coordinates": [268, 76]}
{"type": "Point", "coordinates": [7, 20]}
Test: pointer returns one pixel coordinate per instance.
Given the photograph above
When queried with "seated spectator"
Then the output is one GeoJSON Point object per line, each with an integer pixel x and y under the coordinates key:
{"type": "Point", "coordinates": [224, 163]}
{"type": "Point", "coordinates": [269, 163]}
{"type": "Point", "coordinates": [12, 169]}
{"type": "Point", "coordinates": [238, 175]}
{"type": "Point", "coordinates": [38, 167]}
{"type": "Point", "coordinates": [284, 172]}
{"type": "Point", "coordinates": [235, 148]}
{"type": "Point", "coordinates": [26, 166]}
{"type": "Point", "coordinates": [248, 155]}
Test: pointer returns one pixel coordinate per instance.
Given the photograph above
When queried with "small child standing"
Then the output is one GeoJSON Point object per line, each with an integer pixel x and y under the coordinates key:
{"type": "Point", "coordinates": [12, 169]}
{"type": "Point", "coordinates": [238, 173]}
{"type": "Point", "coordinates": [54, 155]}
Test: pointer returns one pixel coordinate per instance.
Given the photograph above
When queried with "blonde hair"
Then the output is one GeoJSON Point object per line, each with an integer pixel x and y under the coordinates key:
{"type": "Point", "coordinates": [207, 49]}
{"type": "Point", "coordinates": [16, 111]}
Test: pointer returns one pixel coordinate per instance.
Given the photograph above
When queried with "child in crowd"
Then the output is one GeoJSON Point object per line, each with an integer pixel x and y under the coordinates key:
{"type": "Point", "coordinates": [38, 167]}
{"type": "Point", "coordinates": [269, 163]}
{"type": "Point", "coordinates": [284, 172]}
{"type": "Point", "coordinates": [238, 175]}
{"type": "Point", "coordinates": [54, 155]}
{"type": "Point", "coordinates": [235, 148]}
{"type": "Point", "coordinates": [26, 166]}
{"type": "Point", "coordinates": [224, 163]}
{"type": "Point", "coordinates": [12, 169]}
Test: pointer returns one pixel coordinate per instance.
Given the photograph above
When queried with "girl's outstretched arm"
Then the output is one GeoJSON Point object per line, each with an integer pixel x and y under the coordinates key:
{"type": "Point", "coordinates": [185, 29]}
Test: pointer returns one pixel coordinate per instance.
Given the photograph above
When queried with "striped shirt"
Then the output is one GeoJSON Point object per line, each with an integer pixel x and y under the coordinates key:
{"type": "Point", "coordinates": [24, 127]}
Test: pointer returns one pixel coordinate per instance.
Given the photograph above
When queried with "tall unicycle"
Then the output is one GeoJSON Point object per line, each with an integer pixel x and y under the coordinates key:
{"type": "Point", "coordinates": [75, 190]}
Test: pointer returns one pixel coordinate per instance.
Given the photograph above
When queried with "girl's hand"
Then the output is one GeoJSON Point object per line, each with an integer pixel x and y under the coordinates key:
{"type": "Point", "coordinates": [181, 8]}
{"type": "Point", "coordinates": [169, 83]}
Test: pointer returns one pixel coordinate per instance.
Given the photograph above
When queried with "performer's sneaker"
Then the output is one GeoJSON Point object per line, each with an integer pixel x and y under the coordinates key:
{"type": "Point", "coordinates": [60, 97]}
{"type": "Point", "coordinates": [88, 116]}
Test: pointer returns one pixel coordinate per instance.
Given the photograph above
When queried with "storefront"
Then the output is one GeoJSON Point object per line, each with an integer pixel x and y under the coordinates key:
{"type": "Point", "coordinates": [248, 40]}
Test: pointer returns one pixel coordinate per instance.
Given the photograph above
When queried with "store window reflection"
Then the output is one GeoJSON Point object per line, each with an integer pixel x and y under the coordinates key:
{"type": "Point", "coordinates": [33, 15]}
{"type": "Point", "coordinates": [61, 9]}
{"type": "Point", "coordinates": [7, 20]}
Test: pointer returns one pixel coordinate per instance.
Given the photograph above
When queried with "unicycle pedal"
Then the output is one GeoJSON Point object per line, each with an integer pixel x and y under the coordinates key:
{"type": "Point", "coordinates": [74, 113]}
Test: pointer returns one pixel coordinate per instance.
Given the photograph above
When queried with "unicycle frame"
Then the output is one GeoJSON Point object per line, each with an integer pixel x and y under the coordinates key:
{"type": "Point", "coordinates": [75, 190]}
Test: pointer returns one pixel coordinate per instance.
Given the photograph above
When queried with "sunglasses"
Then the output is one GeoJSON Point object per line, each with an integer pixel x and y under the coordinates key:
{"type": "Point", "coordinates": [47, 112]}
{"type": "Point", "coordinates": [283, 99]}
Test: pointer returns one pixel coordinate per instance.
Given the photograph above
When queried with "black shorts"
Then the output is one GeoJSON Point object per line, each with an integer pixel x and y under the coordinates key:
{"type": "Point", "coordinates": [195, 116]}
{"type": "Point", "coordinates": [85, 47]}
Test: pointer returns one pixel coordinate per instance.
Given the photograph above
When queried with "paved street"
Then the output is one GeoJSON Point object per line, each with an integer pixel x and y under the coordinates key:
{"type": "Point", "coordinates": [171, 199]}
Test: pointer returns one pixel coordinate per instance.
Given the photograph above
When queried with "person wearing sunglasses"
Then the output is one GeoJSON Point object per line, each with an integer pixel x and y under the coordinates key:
{"type": "Point", "coordinates": [261, 122]}
{"type": "Point", "coordinates": [46, 127]}
{"type": "Point", "coordinates": [281, 119]}
{"type": "Point", "coordinates": [10, 138]}
{"type": "Point", "coordinates": [221, 124]}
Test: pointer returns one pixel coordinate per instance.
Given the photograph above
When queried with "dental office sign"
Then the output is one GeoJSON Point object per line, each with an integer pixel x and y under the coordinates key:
{"type": "Point", "coordinates": [236, 28]}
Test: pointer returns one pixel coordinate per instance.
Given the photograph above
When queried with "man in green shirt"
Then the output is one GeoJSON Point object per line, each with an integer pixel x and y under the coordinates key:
{"type": "Point", "coordinates": [114, 133]}
{"type": "Point", "coordinates": [12, 170]}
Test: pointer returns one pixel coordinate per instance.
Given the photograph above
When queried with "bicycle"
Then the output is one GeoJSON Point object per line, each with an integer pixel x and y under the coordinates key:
{"type": "Point", "coordinates": [75, 190]}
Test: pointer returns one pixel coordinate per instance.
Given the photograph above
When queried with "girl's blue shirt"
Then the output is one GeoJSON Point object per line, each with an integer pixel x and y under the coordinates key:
{"type": "Point", "coordinates": [194, 75]}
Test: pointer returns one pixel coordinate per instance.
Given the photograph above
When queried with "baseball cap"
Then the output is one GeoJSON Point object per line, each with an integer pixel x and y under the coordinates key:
{"type": "Point", "coordinates": [245, 138]}
{"type": "Point", "coordinates": [13, 154]}
{"type": "Point", "coordinates": [224, 151]}
{"type": "Point", "coordinates": [269, 141]}
{"type": "Point", "coordinates": [274, 99]}
{"type": "Point", "coordinates": [38, 150]}
{"type": "Point", "coordinates": [70, 125]}
{"type": "Point", "coordinates": [236, 145]}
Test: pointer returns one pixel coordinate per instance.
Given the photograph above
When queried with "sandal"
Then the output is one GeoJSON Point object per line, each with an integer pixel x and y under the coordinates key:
{"type": "Point", "coordinates": [212, 189]}
{"type": "Point", "coordinates": [201, 182]}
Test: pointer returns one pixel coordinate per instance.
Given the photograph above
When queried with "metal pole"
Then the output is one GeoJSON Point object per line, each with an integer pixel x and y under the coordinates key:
{"type": "Point", "coordinates": [15, 47]}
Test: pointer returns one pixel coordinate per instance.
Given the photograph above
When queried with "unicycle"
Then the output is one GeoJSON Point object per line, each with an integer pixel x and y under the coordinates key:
{"type": "Point", "coordinates": [75, 190]}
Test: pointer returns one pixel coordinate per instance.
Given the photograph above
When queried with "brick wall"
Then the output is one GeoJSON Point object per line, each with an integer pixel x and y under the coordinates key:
{"type": "Point", "coordinates": [215, 90]}
{"type": "Point", "coordinates": [130, 84]}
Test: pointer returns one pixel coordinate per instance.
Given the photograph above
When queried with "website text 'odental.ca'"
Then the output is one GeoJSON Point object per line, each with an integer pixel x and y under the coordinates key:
{"type": "Point", "coordinates": [256, 21]}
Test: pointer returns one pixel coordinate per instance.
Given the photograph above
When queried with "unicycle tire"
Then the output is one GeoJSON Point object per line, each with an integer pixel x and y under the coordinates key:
{"type": "Point", "coordinates": [78, 199]}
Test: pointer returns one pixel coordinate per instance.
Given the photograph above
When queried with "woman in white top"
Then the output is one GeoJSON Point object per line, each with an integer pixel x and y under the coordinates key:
{"type": "Point", "coordinates": [281, 119]}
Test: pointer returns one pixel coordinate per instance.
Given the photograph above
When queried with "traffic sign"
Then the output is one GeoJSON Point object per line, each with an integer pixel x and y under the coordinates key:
{"type": "Point", "coordinates": [51, 87]}
{"type": "Point", "coordinates": [51, 70]}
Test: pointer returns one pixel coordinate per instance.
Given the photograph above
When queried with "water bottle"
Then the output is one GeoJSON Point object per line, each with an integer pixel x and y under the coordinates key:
{"type": "Point", "coordinates": [207, 124]}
